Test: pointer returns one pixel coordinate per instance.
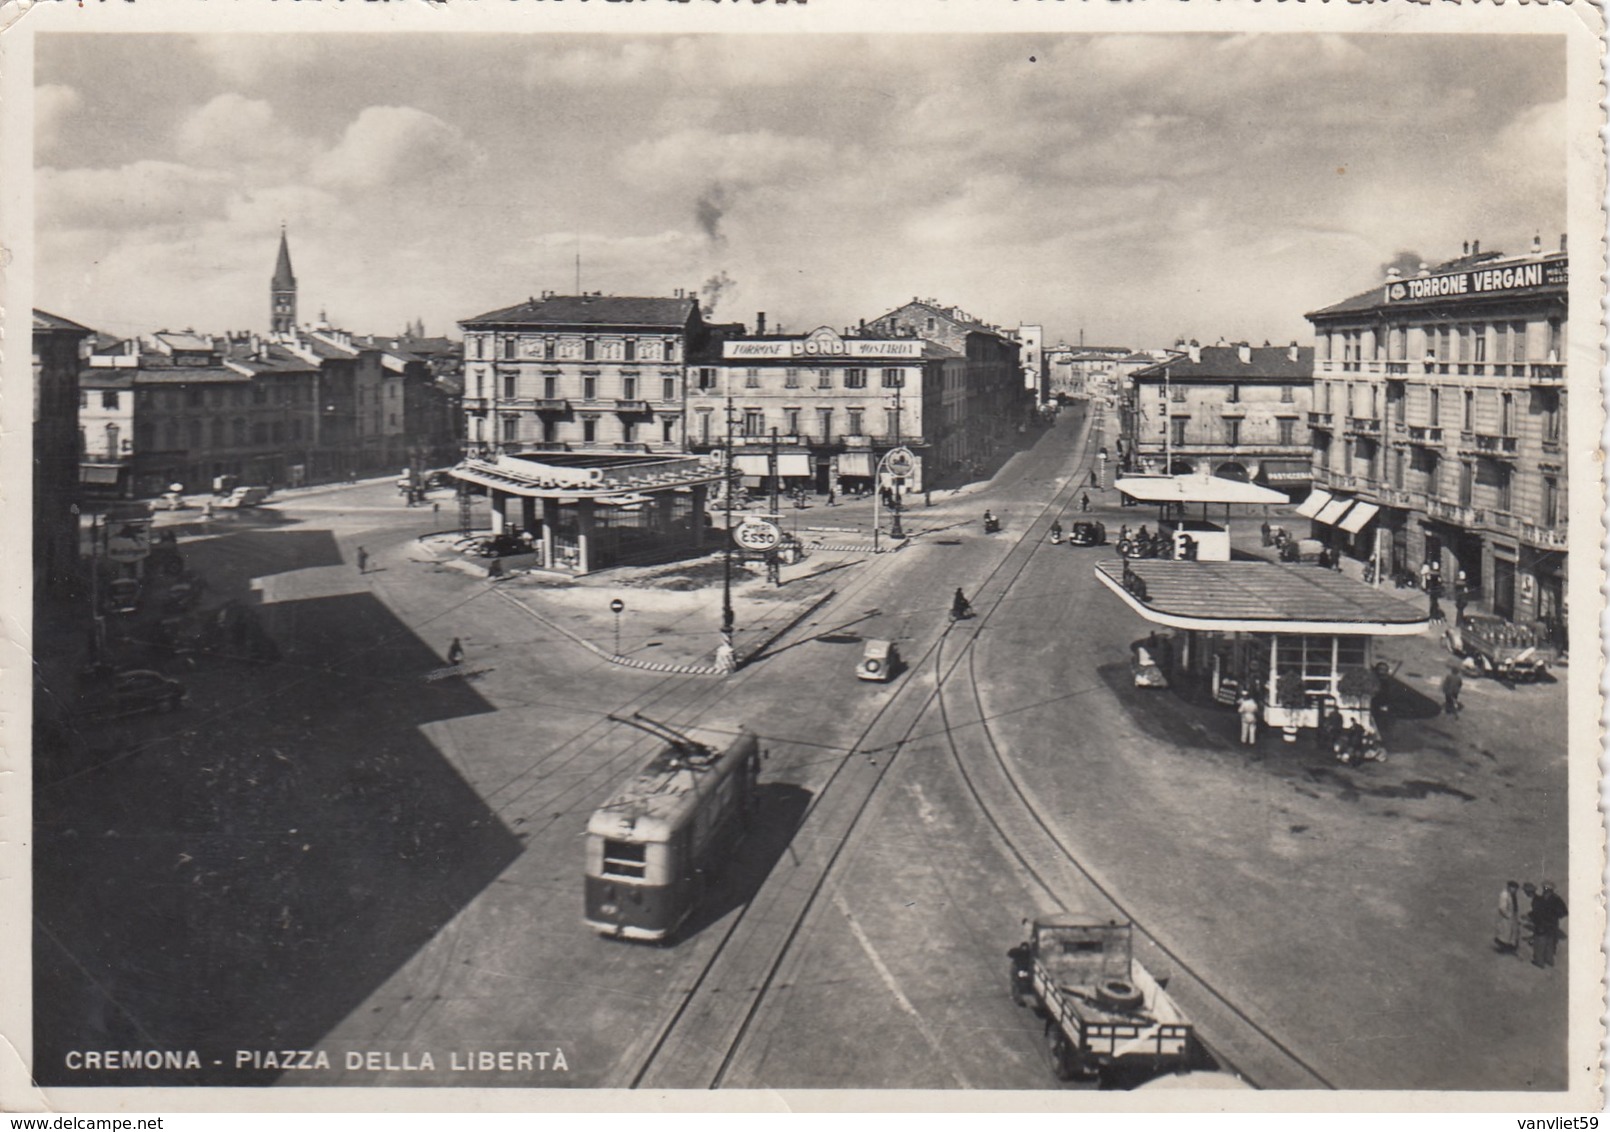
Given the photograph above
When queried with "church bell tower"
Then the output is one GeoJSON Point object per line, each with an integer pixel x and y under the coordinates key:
{"type": "Point", "coordinates": [282, 292]}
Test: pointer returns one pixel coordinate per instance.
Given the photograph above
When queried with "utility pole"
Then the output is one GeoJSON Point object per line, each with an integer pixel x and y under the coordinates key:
{"type": "Point", "coordinates": [774, 570]}
{"type": "Point", "coordinates": [1168, 425]}
{"type": "Point", "coordinates": [895, 530]}
{"type": "Point", "coordinates": [726, 554]}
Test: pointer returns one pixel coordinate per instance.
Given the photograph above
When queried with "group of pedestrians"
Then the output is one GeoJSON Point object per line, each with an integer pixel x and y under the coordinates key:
{"type": "Point", "coordinates": [1545, 911]}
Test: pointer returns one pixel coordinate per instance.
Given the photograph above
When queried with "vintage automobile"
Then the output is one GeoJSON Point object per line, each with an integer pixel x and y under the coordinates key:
{"type": "Point", "coordinates": [1087, 532]}
{"type": "Point", "coordinates": [245, 497]}
{"type": "Point", "coordinates": [126, 693]}
{"type": "Point", "coordinates": [880, 661]}
{"type": "Point", "coordinates": [1491, 646]}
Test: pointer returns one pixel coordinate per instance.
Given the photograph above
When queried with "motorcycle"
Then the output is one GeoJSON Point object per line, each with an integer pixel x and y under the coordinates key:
{"type": "Point", "coordinates": [1056, 534]}
{"type": "Point", "coordinates": [963, 612]}
{"type": "Point", "coordinates": [991, 525]}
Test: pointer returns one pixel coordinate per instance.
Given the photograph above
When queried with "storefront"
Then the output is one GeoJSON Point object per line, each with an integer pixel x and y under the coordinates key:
{"type": "Point", "coordinates": [1297, 638]}
{"type": "Point", "coordinates": [579, 512]}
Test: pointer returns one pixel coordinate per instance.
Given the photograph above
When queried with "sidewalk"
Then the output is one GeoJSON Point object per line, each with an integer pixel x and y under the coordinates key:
{"type": "Point", "coordinates": [671, 614]}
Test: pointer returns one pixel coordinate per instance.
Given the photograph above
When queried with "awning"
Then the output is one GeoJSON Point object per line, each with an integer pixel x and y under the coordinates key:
{"type": "Point", "coordinates": [1195, 488]}
{"type": "Point", "coordinates": [1361, 514]}
{"type": "Point", "coordinates": [855, 464]}
{"type": "Point", "coordinates": [788, 464]}
{"type": "Point", "coordinates": [1316, 502]}
{"type": "Point", "coordinates": [1333, 511]}
{"type": "Point", "coordinates": [98, 473]}
{"type": "Point", "coordinates": [1286, 471]}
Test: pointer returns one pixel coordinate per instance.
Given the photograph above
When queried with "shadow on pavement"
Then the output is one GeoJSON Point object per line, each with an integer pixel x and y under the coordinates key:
{"type": "Point", "coordinates": [244, 872]}
{"type": "Point", "coordinates": [779, 809]}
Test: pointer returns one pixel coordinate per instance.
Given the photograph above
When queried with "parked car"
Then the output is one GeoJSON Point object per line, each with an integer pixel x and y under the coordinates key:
{"type": "Point", "coordinates": [169, 501]}
{"type": "Point", "coordinates": [1087, 532]}
{"type": "Point", "coordinates": [880, 661]}
{"type": "Point", "coordinates": [136, 690]}
{"type": "Point", "coordinates": [245, 497]}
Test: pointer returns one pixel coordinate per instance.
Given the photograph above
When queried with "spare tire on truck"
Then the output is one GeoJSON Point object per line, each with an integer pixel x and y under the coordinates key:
{"type": "Point", "coordinates": [1117, 994]}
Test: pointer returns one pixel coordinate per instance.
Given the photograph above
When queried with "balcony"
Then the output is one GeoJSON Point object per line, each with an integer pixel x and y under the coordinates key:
{"type": "Point", "coordinates": [1550, 537]}
{"type": "Point", "coordinates": [1487, 444]}
{"type": "Point", "coordinates": [1364, 426]}
{"type": "Point", "coordinates": [1457, 514]}
{"type": "Point", "coordinates": [1335, 479]}
{"type": "Point", "coordinates": [1546, 374]}
{"type": "Point", "coordinates": [551, 405]}
{"type": "Point", "coordinates": [622, 405]}
{"type": "Point", "coordinates": [1425, 435]}
{"type": "Point", "coordinates": [1401, 497]}
{"type": "Point", "coordinates": [1319, 420]}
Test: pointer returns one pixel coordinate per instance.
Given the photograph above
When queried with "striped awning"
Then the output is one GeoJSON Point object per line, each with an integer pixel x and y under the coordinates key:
{"type": "Point", "coordinates": [1333, 511]}
{"type": "Point", "coordinates": [1316, 502]}
{"type": "Point", "coordinates": [1358, 517]}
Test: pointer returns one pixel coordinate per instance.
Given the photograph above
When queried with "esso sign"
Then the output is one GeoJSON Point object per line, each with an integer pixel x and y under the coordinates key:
{"type": "Point", "coordinates": [900, 462]}
{"type": "Point", "coordinates": [757, 534]}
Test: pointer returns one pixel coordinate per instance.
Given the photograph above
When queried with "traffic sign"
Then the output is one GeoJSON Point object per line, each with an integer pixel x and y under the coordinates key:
{"type": "Point", "coordinates": [617, 605]}
{"type": "Point", "coordinates": [900, 462]}
{"type": "Point", "coordinates": [757, 534]}
{"type": "Point", "coordinates": [128, 541]}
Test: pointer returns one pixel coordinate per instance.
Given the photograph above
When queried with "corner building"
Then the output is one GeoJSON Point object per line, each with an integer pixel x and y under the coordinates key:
{"type": "Point", "coordinates": [1439, 421]}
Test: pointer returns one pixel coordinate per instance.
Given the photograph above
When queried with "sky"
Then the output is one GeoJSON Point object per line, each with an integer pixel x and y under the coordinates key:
{"type": "Point", "coordinates": [1138, 188]}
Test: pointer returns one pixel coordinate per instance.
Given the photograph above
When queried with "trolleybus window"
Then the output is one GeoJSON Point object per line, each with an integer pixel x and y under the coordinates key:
{"type": "Point", "coordinates": [623, 859]}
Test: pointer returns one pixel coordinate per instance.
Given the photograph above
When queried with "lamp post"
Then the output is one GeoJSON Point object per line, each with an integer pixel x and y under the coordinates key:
{"type": "Point", "coordinates": [895, 530]}
{"type": "Point", "coordinates": [726, 553]}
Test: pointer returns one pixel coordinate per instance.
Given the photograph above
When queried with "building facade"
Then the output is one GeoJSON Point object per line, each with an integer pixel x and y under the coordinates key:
{"type": "Point", "coordinates": [1440, 406]}
{"type": "Point", "coordinates": [58, 345]}
{"type": "Point", "coordinates": [836, 403]}
{"type": "Point", "coordinates": [1236, 410]}
{"type": "Point", "coordinates": [579, 372]}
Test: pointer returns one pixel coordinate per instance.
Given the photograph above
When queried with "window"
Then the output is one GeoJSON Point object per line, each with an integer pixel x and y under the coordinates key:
{"type": "Point", "coordinates": [108, 400]}
{"type": "Point", "coordinates": [826, 417]}
{"type": "Point", "coordinates": [855, 422]}
{"type": "Point", "coordinates": [550, 432]}
{"type": "Point", "coordinates": [589, 429]}
{"type": "Point", "coordinates": [1287, 395]}
{"type": "Point", "coordinates": [628, 431]}
{"type": "Point", "coordinates": [1501, 486]}
{"type": "Point", "coordinates": [1328, 388]}
{"type": "Point", "coordinates": [1397, 468]}
{"type": "Point", "coordinates": [1232, 431]}
{"type": "Point", "coordinates": [477, 347]}
{"type": "Point", "coordinates": [667, 430]}
{"type": "Point", "coordinates": [589, 389]}
{"type": "Point", "coordinates": [1506, 415]}
{"type": "Point", "coordinates": [1288, 430]}
{"type": "Point", "coordinates": [1550, 515]}
{"type": "Point", "coordinates": [1548, 405]}
{"type": "Point", "coordinates": [629, 349]}
{"type": "Point", "coordinates": [1467, 477]}
{"type": "Point", "coordinates": [1517, 338]}
{"type": "Point", "coordinates": [707, 379]}
{"type": "Point", "coordinates": [111, 439]}
{"type": "Point", "coordinates": [894, 378]}
{"type": "Point", "coordinates": [1177, 425]}
{"type": "Point", "coordinates": [751, 379]}
{"type": "Point", "coordinates": [891, 423]}
{"type": "Point", "coordinates": [1479, 344]}
{"type": "Point", "coordinates": [754, 422]}
{"type": "Point", "coordinates": [854, 378]}
{"type": "Point", "coordinates": [629, 388]}
{"type": "Point", "coordinates": [589, 350]}
{"type": "Point", "coordinates": [550, 388]}
{"type": "Point", "coordinates": [824, 379]}
{"type": "Point", "coordinates": [704, 426]}
{"type": "Point", "coordinates": [791, 378]}
{"type": "Point", "coordinates": [791, 421]}
{"type": "Point", "coordinates": [1177, 394]}
{"type": "Point", "coordinates": [1234, 395]}
{"type": "Point", "coordinates": [508, 348]}
{"type": "Point", "coordinates": [1446, 337]}
{"type": "Point", "coordinates": [1501, 342]}
{"type": "Point", "coordinates": [1469, 417]}
{"type": "Point", "coordinates": [928, 324]}
{"type": "Point", "coordinates": [1434, 408]}
{"type": "Point", "coordinates": [1556, 338]}
{"type": "Point", "coordinates": [547, 349]}
{"type": "Point", "coordinates": [509, 384]}
{"type": "Point", "coordinates": [511, 429]}
{"type": "Point", "coordinates": [668, 389]}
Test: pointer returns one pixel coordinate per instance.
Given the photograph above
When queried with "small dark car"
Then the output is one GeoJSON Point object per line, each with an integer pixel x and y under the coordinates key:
{"type": "Point", "coordinates": [1087, 532]}
{"type": "Point", "coordinates": [137, 690]}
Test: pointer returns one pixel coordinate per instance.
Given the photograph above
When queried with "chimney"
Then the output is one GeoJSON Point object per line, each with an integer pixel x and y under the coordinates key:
{"type": "Point", "coordinates": [1244, 352]}
{"type": "Point", "coordinates": [760, 323]}
{"type": "Point", "coordinates": [1475, 247]}
{"type": "Point", "coordinates": [1293, 354]}
{"type": "Point", "coordinates": [1537, 243]}
{"type": "Point", "coordinates": [1394, 272]}
{"type": "Point", "coordinates": [1467, 248]}
{"type": "Point", "coordinates": [1195, 351]}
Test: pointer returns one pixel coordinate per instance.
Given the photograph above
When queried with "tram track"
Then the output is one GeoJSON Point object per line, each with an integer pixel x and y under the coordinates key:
{"type": "Point", "coordinates": [697, 1044]}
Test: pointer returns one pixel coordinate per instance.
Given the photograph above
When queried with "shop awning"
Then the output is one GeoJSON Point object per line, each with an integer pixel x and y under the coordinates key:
{"type": "Point", "coordinates": [1258, 597]}
{"type": "Point", "coordinates": [1195, 488]}
{"type": "Point", "coordinates": [1356, 519]}
{"type": "Point", "coordinates": [98, 473]}
{"type": "Point", "coordinates": [788, 464]}
{"type": "Point", "coordinates": [855, 464]}
{"type": "Point", "coordinates": [1286, 471]}
{"type": "Point", "coordinates": [1316, 502]}
{"type": "Point", "coordinates": [1333, 511]}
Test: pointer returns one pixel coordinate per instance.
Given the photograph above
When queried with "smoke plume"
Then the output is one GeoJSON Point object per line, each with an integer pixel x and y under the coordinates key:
{"type": "Point", "coordinates": [1407, 263]}
{"type": "Point", "coordinates": [714, 288]}
{"type": "Point", "coordinates": [709, 210]}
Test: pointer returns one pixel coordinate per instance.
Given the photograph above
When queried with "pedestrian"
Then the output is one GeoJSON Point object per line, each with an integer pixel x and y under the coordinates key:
{"type": "Point", "coordinates": [435, 508]}
{"type": "Point", "coordinates": [1434, 591]}
{"type": "Point", "coordinates": [455, 652]}
{"type": "Point", "coordinates": [927, 497]}
{"type": "Point", "coordinates": [1425, 575]}
{"type": "Point", "coordinates": [1268, 534]}
{"type": "Point", "coordinates": [1452, 685]}
{"type": "Point", "coordinates": [1247, 709]}
{"type": "Point", "coordinates": [1507, 928]}
{"type": "Point", "coordinates": [363, 561]}
{"type": "Point", "coordinates": [1547, 912]}
{"type": "Point", "coordinates": [1084, 501]}
{"type": "Point", "coordinates": [832, 497]}
{"type": "Point", "coordinates": [1461, 598]}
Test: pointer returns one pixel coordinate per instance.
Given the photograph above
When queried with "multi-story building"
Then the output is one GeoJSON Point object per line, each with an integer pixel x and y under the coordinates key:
{"type": "Point", "coordinates": [1233, 410]}
{"type": "Point", "coordinates": [1439, 419]}
{"type": "Point", "coordinates": [58, 345]}
{"type": "Point", "coordinates": [1031, 343]}
{"type": "Point", "coordinates": [432, 371]}
{"type": "Point", "coordinates": [580, 372]}
{"type": "Point", "coordinates": [837, 404]}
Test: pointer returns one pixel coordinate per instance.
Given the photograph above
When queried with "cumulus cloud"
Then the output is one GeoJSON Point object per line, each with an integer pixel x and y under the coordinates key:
{"type": "Point", "coordinates": [232, 130]}
{"type": "Point", "coordinates": [393, 145]}
{"type": "Point", "coordinates": [139, 195]}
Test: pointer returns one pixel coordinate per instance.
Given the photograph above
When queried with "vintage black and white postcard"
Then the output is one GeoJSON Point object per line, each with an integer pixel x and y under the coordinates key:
{"type": "Point", "coordinates": [1046, 551]}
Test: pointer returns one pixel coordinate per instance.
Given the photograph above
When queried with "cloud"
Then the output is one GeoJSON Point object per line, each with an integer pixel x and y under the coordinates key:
{"type": "Point", "coordinates": [746, 158]}
{"type": "Point", "coordinates": [393, 145]}
{"type": "Point", "coordinates": [54, 103]}
{"type": "Point", "coordinates": [234, 131]}
{"type": "Point", "coordinates": [139, 195]}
